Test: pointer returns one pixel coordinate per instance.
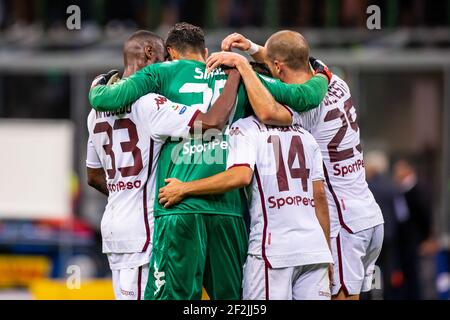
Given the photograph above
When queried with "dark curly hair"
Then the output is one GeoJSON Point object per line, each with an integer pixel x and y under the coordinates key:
{"type": "Point", "coordinates": [186, 37]}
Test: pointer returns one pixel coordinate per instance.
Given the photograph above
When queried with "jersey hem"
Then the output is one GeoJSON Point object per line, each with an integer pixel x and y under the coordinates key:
{"type": "Point", "coordinates": [215, 213]}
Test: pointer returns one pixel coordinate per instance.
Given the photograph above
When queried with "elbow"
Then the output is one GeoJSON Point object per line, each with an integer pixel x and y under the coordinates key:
{"type": "Point", "coordinates": [267, 115]}
{"type": "Point", "coordinates": [92, 182]}
{"type": "Point", "coordinates": [245, 180]}
{"type": "Point", "coordinates": [320, 198]}
{"type": "Point", "coordinates": [207, 123]}
{"type": "Point", "coordinates": [216, 124]}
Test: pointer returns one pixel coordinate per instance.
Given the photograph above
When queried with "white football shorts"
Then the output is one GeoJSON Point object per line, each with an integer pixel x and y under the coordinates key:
{"type": "Point", "coordinates": [130, 283]}
{"type": "Point", "coordinates": [310, 282]}
{"type": "Point", "coordinates": [354, 258]}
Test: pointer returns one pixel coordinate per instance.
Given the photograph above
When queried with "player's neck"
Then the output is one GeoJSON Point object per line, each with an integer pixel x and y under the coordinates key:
{"type": "Point", "coordinates": [130, 70]}
{"type": "Point", "coordinates": [193, 56]}
{"type": "Point", "coordinates": [297, 77]}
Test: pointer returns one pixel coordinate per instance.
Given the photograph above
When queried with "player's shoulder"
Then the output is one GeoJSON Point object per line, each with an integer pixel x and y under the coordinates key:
{"type": "Point", "coordinates": [336, 80]}
{"type": "Point", "coordinates": [91, 119]}
{"type": "Point", "coordinates": [151, 101]}
{"type": "Point", "coordinates": [307, 137]}
{"type": "Point", "coordinates": [176, 64]}
{"type": "Point", "coordinates": [249, 123]}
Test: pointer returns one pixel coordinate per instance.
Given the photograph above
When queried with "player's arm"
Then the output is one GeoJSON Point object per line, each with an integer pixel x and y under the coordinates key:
{"type": "Point", "coordinates": [238, 41]}
{"type": "Point", "coordinates": [241, 161]}
{"type": "Point", "coordinates": [218, 115]}
{"type": "Point", "coordinates": [124, 92]}
{"type": "Point", "coordinates": [263, 92]}
{"type": "Point", "coordinates": [96, 178]}
{"type": "Point", "coordinates": [266, 108]}
{"type": "Point", "coordinates": [320, 197]}
{"type": "Point", "coordinates": [234, 178]}
{"type": "Point", "coordinates": [321, 206]}
{"type": "Point", "coordinates": [259, 54]}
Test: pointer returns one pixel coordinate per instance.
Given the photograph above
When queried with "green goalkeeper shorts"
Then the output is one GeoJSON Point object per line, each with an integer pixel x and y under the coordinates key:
{"type": "Point", "coordinates": [195, 250]}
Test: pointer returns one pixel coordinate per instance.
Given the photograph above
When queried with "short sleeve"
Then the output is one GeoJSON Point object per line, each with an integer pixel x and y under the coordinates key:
{"type": "Point", "coordinates": [165, 118]}
{"type": "Point", "coordinates": [92, 158]}
{"type": "Point", "coordinates": [242, 146]}
{"type": "Point", "coordinates": [307, 120]}
{"type": "Point", "coordinates": [317, 170]}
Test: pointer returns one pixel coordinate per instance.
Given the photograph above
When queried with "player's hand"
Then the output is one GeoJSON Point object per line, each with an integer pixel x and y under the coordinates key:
{"type": "Point", "coordinates": [331, 274]}
{"type": "Point", "coordinates": [106, 78]}
{"type": "Point", "coordinates": [232, 73]}
{"type": "Point", "coordinates": [172, 193]}
{"type": "Point", "coordinates": [237, 41]}
{"type": "Point", "coordinates": [320, 68]}
{"type": "Point", "coordinates": [228, 59]}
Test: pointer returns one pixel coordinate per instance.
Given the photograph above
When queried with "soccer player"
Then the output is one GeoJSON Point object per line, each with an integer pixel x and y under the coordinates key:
{"type": "Point", "coordinates": [122, 155]}
{"type": "Point", "coordinates": [206, 235]}
{"type": "Point", "coordinates": [356, 219]}
{"type": "Point", "coordinates": [289, 255]}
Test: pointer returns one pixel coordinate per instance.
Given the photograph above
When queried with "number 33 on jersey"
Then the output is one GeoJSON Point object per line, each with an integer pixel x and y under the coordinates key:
{"type": "Point", "coordinates": [126, 144]}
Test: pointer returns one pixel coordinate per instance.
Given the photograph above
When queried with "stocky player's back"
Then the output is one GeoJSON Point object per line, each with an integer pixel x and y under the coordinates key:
{"type": "Point", "coordinates": [335, 129]}
{"type": "Point", "coordinates": [286, 161]}
{"type": "Point", "coordinates": [355, 218]}
{"type": "Point", "coordinates": [285, 233]}
{"type": "Point", "coordinates": [126, 144]}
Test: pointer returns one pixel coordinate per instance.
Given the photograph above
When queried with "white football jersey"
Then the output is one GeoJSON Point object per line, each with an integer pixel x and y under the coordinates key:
{"type": "Point", "coordinates": [333, 125]}
{"type": "Point", "coordinates": [126, 144]}
{"type": "Point", "coordinates": [285, 230]}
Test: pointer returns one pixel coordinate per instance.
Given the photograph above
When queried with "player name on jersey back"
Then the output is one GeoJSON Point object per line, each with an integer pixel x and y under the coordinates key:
{"type": "Point", "coordinates": [335, 128]}
{"type": "Point", "coordinates": [284, 228]}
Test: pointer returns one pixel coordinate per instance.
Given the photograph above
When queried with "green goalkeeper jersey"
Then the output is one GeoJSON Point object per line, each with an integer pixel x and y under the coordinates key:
{"type": "Point", "coordinates": [187, 82]}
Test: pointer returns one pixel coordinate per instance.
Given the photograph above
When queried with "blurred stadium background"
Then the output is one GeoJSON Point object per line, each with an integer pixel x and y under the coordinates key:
{"type": "Point", "coordinates": [399, 75]}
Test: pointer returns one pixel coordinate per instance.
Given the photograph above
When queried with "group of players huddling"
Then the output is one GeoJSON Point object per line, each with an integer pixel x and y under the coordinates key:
{"type": "Point", "coordinates": [187, 144]}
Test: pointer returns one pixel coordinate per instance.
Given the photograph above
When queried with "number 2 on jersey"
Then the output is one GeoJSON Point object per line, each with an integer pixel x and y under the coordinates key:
{"type": "Point", "coordinates": [128, 146]}
{"type": "Point", "coordinates": [296, 150]}
{"type": "Point", "coordinates": [347, 118]}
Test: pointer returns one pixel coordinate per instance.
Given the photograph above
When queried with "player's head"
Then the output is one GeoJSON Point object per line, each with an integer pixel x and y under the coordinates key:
{"type": "Point", "coordinates": [186, 40]}
{"type": "Point", "coordinates": [142, 49]}
{"type": "Point", "coordinates": [287, 51]}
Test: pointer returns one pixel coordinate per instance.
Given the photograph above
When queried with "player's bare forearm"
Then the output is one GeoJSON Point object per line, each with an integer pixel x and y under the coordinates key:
{"type": "Point", "coordinates": [321, 206]}
{"type": "Point", "coordinates": [260, 55]}
{"type": "Point", "coordinates": [234, 178]}
{"type": "Point", "coordinates": [300, 97]}
{"type": "Point", "coordinates": [175, 191]}
{"type": "Point", "coordinates": [218, 115]}
{"type": "Point", "coordinates": [263, 103]}
{"type": "Point", "coordinates": [97, 180]}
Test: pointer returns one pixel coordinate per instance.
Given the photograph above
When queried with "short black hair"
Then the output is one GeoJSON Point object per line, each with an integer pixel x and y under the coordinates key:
{"type": "Point", "coordinates": [261, 68]}
{"type": "Point", "coordinates": [186, 37]}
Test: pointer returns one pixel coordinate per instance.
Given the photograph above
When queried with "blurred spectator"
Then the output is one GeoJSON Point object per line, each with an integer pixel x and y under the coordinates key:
{"type": "Point", "coordinates": [385, 193]}
{"type": "Point", "coordinates": [415, 216]}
